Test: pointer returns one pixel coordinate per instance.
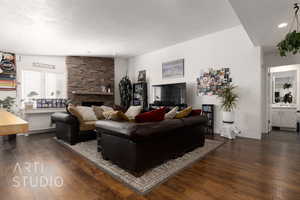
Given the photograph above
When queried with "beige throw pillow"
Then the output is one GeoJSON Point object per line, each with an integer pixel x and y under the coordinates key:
{"type": "Point", "coordinates": [133, 111]}
{"type": "Point", "coordinates": [98, 112]}
{"type": "Point", "coordinates": [87, 113]}
{"type": "Point", "coordinates": [106, 108]}
{"type": "Point", "coordinates": [73, 110]}
{"type": "Point", "coordinates": [172, 113]}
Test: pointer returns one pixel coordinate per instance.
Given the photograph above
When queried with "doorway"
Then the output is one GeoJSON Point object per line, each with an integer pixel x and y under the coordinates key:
{"type": "Point", "coordinates": [283, 99]}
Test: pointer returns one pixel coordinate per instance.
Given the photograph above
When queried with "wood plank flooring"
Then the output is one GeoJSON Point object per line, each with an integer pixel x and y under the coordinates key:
{"type": "Point", "coordinates": [243, 169]}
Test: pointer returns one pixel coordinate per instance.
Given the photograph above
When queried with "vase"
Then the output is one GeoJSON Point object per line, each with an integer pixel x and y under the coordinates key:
{"type": "Point", "coordinates": [28, 105]}
{"type": "Point", "coordinates": [228, 117]}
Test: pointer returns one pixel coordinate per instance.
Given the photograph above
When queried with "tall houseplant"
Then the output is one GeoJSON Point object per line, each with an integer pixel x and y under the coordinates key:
{"type": "Point", "coordinates": [125, 88]}
{"type": "Point", "coordinates": [228, 102]}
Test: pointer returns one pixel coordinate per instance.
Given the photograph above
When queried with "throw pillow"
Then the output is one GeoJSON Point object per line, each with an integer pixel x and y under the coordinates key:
{"type": "Point", "coordinates": [122, 116]}
{"type": "Point", "coordinates": [133, 111]}
{"type": "Point", "coordinates": [115, 116]}
{"type": "Point", "coordinates": [172, 113]}
{"type": "Point", "coordinates": [196, 112]}
{"type": "Point", "coordinates": [98, 112]}
{"type": "Point", "coordinates": [152, 116]}
{"type": "Point", "coordinates": [184, 113]}
{"type": "Point", "coordinates": [87, 113]}
{"type": "Point", "coordinates": [73, 110]}
{"type": "Point", "coordinates": [106, 108]}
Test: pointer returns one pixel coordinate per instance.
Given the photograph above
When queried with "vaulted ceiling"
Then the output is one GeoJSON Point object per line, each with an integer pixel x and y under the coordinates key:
{"type": "Point", "coordinates": [132, 27]}
{"type": "Point", "coordinates": [107, 27]}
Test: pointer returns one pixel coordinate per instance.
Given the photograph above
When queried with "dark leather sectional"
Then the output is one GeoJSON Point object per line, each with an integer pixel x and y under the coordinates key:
{"type": "Point", "coordinates": [137, 147]}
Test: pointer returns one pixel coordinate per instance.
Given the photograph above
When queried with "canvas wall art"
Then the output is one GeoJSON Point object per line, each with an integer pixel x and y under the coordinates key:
{"type": "Point", "coordinates": [7, 71]}
{"type": "Point", "coordinates": [210, 82]}
{"type": "Point", "coordinates": [173, 69]}
{"type": "Point", "coordinates": [142, 76]}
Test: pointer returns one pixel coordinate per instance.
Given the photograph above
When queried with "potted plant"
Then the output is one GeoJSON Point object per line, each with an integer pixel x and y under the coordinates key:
{"type": "Point", "coordinates": [7, 103]}
{"type": "Point", "coordinates": [291, 42]}
{"type": "Point", "coordinates": [287, 86]}
{"type": "Point", "coordinates": [29, 104]}
{"type": "Point", "coordinates": [228, 102]}
{"type": "Point", "coordinates": [125, 88]}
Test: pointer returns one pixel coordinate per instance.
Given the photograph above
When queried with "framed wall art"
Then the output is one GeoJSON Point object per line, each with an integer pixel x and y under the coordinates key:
{"type": "Point", "coordinates": [210, 82]}
{"type": "Point", "coordinates": [7, 71]}
{"type": "Point", "coordinates": [142, 76]}
{"type": "Point", "coordinates": [173, 69]}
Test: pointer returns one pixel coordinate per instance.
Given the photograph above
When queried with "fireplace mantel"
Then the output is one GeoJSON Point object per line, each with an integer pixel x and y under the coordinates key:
{"type": "Point", "coordinates": [92, 93]}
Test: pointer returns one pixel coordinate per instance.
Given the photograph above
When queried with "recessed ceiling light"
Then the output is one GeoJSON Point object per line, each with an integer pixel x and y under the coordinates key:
{"type": "Point", "coordinates": [283, 25]}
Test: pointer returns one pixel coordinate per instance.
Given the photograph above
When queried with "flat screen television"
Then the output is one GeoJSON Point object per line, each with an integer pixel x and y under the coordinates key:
{"type": "Point", "coordinates": [169, 94]}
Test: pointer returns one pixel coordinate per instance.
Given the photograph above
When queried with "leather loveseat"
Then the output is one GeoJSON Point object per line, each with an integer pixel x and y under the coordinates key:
{"type": "Point", "coordinates": [137, 147]}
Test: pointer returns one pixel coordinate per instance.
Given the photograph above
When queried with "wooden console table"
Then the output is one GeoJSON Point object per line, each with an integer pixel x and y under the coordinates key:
{"type": "Point", "coordinates": [10, 125]}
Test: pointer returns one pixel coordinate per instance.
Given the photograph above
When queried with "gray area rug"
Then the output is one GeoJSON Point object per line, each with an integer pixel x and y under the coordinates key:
{"type": "Point", "coordinates": [151, 178]}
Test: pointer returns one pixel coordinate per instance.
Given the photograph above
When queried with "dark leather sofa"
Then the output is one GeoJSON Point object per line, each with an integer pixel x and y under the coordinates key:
{"type": "Point", "coordinates": [69, 130]}
{"type": "Point", "coordinates": [138, 147]}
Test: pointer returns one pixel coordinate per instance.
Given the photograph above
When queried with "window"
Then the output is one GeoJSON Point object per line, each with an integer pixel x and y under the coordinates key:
{"type": "Point", "coordinates": [37, 84]}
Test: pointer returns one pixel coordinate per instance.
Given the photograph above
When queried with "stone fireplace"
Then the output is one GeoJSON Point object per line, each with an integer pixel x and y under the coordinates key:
{"type": "Point", "coordinates": [87, 76]}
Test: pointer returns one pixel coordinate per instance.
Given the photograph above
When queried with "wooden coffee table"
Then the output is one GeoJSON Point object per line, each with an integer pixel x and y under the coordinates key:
{"type": "Point", "coordinates": [10, 125]}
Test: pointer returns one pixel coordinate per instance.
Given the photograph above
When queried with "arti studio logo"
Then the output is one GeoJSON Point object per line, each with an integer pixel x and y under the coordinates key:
{"type": "Point", "coordinates": [31, 174]}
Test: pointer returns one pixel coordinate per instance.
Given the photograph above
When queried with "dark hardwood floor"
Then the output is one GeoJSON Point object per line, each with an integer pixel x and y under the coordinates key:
{"type": "Point", "coordinates": [241, 169]}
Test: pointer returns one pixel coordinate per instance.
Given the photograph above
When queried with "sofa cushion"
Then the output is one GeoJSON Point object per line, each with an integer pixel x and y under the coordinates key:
{"type": "Point", "coordinates": [151, 116]}
{"type": "Point", "coordinates": [153, 129]}
{"type": "Point", "coordinates": [194, 120]}
{"type": "Point", "coordinates": [139, 131]}
{"type": "Point", "coordinates": [87, 125]}
{"type": "Point", "coordinates": [122, 129]}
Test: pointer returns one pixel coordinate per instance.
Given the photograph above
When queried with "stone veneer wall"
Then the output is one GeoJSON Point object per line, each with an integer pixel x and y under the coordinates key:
{"type": "Point", "coordinates": [89, 74]}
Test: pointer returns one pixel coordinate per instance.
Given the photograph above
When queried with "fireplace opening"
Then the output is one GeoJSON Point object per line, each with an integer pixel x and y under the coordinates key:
{"type": "Point", "coordinates": [92, 103]}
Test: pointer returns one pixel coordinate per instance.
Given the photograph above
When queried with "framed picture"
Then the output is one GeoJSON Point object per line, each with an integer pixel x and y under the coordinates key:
{"type": "Point", "coordinates": [212, 81]}
{"type": "Point", "coordinates": [142, 76]}
{"type": "Point", "coordinates": [7, 71]}
{"type": "Point", "coordinates": [173, 69]}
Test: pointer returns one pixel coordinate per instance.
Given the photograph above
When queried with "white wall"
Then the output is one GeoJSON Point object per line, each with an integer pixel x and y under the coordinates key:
{"type": "Point", "coordinates": [274, 59]}
{"type": "Point", "coordinates": [229, 48]}
{"type": "Point", "coordinates": [121, 67]}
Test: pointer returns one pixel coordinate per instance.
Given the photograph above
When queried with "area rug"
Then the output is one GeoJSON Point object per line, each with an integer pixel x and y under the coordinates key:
{"type": "Point", "coordinates": [151, 178]}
